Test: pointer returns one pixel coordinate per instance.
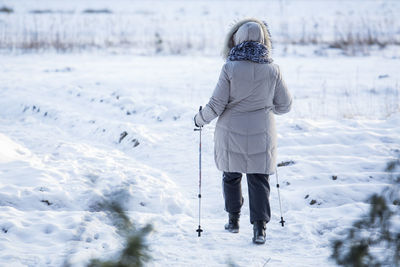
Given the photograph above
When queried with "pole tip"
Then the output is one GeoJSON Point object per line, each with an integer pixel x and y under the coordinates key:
{"type": "Point", "coordinates": [199, 230]}
{"type": "Point", "coordinates": [282, 222]}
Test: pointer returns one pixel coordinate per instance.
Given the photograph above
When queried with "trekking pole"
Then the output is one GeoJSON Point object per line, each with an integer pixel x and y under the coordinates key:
{"type": "Point", "coordinates": [199, 230]}
{"type": "Point", "coordinates": [279, 197]}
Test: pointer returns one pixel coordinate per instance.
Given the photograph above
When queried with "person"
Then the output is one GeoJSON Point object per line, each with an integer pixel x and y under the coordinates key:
{"type": "Point", "coordinates": [250, 90]}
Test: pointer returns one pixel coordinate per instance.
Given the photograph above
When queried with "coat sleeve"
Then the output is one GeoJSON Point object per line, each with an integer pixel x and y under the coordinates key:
{"type": "Point", "coordinates": [218, 100]}
{"type": "Point", "coordinates": [282, 99]}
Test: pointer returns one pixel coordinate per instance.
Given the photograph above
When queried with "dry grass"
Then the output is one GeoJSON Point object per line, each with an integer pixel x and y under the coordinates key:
{"type": "Point", "coordinates": [149, 33]}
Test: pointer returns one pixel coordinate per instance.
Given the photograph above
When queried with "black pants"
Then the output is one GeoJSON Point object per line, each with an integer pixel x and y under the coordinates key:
{"type": "Point", "coordinates": [258, 194]}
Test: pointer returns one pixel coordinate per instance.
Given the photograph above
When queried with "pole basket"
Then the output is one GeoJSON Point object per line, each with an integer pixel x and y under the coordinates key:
{"type": "Point", "coordinates": [199, 231]}
{"type": "Point", "coordinates": [282, 222]}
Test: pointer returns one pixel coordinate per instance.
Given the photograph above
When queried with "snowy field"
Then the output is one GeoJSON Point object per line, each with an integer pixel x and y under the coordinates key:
{"type": "Point", "coordinates": [78, 128]}
{"type": "Point", "coordinates": [61, 120]}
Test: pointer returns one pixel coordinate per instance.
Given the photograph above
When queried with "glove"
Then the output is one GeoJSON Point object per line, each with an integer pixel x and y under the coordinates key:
{"type": "Point", "coordinates": [194, 119]}
{"type": "Point", "coordinates": [198, 119]}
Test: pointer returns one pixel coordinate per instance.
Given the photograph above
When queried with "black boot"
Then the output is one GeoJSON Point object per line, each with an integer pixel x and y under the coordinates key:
{"type": "Point", "coordinates": [233, 224]}
{"type": "Point", "coordinates": [259, 232]}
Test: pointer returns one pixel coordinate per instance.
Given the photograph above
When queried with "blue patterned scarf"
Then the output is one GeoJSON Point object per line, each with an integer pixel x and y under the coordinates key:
{"type": "Point", "coordinates": [252, 51]}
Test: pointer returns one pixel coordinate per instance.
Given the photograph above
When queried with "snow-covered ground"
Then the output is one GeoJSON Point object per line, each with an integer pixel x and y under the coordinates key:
{"type": "Point", "coordinates": [62, 116]}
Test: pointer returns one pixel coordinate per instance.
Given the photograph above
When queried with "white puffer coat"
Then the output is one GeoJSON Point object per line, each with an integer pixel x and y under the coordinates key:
{"type": "Point", "coordinates": [245, 99]}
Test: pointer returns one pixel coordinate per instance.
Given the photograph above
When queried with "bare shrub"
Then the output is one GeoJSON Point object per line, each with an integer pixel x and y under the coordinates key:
{"type": "Point", "coordinates": [97, 11]}
{"type": "Point", "coordinates": [41, 11]}
{"type": "Point", "coordinates": [6, 9]}
{"type": "Point", "coordinates": [357, 36]}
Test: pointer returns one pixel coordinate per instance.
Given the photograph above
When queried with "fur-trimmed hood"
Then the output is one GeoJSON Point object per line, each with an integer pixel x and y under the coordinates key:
{"type": "Point", "coordinates": [230, 42]}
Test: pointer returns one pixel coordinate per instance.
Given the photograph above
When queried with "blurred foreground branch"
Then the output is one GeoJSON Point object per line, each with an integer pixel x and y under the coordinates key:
{"type": "Point", "coordinates": [135, 252]}
{"type": "Point", "coordinates": [374, 240]}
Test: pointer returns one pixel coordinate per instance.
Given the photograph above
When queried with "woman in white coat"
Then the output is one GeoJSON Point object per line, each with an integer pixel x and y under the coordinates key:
{"type": "Point", "coordinates": [249, 92]}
